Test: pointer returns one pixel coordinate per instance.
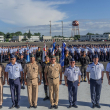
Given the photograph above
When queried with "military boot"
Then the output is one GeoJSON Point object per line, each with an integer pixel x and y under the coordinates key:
{"type": "Point", "coordinates": [85, 79]}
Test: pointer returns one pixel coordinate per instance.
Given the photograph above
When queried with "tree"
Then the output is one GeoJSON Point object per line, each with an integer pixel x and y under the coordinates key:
{"type": "Point", "coordinates": [1, 33]}
{"type": "Point", "coordinates": [8, 35]}
{"type": "Point", "coordinates": [29, 34]}
{"type": "Point", "coordinates": [76, 37]}
{"type": "Point", "coordinates": [18, 33]}
{"type": "Point", "coordinates": [106, 33]}
{"type": "Point", "coordinates": [25, 34]}
{"type": "Point", "coordinates": [90, 33]}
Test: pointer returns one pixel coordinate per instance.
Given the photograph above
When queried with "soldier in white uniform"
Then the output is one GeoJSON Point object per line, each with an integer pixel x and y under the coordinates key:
{"type": "Point", "coordinates": [96, 71]}
{"type": "Point", "coordinates": [72, 81]}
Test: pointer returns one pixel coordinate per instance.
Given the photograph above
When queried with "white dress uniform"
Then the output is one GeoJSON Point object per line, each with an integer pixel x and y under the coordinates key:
{"type": "Point", "coordinates": [95, 81]}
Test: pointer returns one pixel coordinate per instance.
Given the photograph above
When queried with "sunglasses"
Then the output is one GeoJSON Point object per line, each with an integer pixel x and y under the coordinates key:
{"type": "Point", "coordinates": [12, 59]}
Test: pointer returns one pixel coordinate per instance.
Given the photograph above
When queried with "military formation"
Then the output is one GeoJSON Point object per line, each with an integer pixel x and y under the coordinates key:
{"type": "Point", "coordinates": [19, 72]}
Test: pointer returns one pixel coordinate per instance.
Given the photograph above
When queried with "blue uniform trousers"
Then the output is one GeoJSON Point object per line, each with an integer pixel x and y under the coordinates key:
{"type": "Point", "coordinates": [15, 86]}
{"type": "Point", "coordinates": [72, 90]}
{"type": "Point", "coordinates": [72, 54]}
{"type": "Point", "coordinates": [105, 57]}
{"type": "Point", "coordinates": [91, 57]}
{"type": "Point", "coordinates": [78, 54]}
{"type": "Point", "coordinates": [98, 55]}
{"type": "Point", "coordinates": [95, 88]}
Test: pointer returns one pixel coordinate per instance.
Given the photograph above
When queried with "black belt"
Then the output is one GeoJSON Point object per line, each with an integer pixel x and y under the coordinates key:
{"type": "Point", "coordinates": [32, 79]}
{"type": "Point", "coordinates": [14, 79]}
{"type": "Point", "coordinates": [95, 79]}
{"type": "Point", "coordinates": [54, 78]}
{"type": "Point", "coordinates": [72, 81]}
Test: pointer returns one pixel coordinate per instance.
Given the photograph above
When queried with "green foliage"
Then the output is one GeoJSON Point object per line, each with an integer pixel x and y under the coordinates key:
{"type": "Point", "coordinates": [29, 34]}
{"type": "Point", "coordinates": [37, 34]}
{"type": "Point", "coordinates": [1, 33]}
{"type": "Point", "coordinates": [76, 37]}
{"type": "Point", "coordinates": [7, 40]}
{"type": "Point", "coordinates": [90, 33]}
{"type": "Point", "coordinates": [24, 39]}
{"type": "Point", "coordinates": [106, 33]}
{"type": "Point", "coordinates": [19, 33]}
{"type": "Point", "coordinates": [25, 34]}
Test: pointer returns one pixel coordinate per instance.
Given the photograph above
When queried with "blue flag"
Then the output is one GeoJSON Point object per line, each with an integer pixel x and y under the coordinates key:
{"type": "Point", "coordinates": [53, 48]}
{"type": "Point", "coordinates": [62, 55]}
{"type": "Point", "coordinates": [28, 57]}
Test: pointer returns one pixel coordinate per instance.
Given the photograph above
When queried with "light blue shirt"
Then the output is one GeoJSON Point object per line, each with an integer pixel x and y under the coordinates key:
{"type": "Point", "coordinates": [78, 50]}
{"type": "Point", "coordinates": [72, 73]}
{"type": "Point", "coordinates": [11, 51]}
{"type": "Point", "coordinates": [72, 50]}
{"type": "Point", "coordinates": [98, 50]}
{"type": "Point", "coordinates": [95, 70]}
{"type": "Point", "coordinates": [104, 50]}
{"type": "Point", "coordinates": [92, 50]}
{"type": "Point", "coordinates": [14, 70]}
{"type": "Point", "coordinates": [108, 68]}
{"type": "Point", "coordinates": [50, 49]}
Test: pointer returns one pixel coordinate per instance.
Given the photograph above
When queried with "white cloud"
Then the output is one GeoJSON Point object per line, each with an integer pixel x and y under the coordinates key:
{"type": "Point", "coordinates": [31, 13]}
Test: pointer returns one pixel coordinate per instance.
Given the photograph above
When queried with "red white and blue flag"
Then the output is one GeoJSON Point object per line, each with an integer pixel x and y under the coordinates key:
{"type": "Point", "coordinates": [44, 52]}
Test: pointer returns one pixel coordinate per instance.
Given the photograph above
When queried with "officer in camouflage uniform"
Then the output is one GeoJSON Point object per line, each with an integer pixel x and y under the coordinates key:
{"type": "Point", "coordinates": [39, 55]}
{"type": "Point", "coordinates": [23, 62]}
{"type": "Point", "coordinates": [45, 86]}
{"type": "Point", "coordinates": [84, 60]}
{"type": "Point", "coordinates": [2, 82]}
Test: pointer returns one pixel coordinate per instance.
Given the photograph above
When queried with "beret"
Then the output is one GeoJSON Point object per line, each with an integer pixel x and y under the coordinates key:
{"type": "Point", "coordinates": [12, 56]}
{"type": "Point", "coordinates": [95, 56]}
{"type": "Point", "coordinates": [53, 56]}
{"type": "Point", "coordinates": [32, 55]}
{"type": "Point", "coordinates": [72, 59]}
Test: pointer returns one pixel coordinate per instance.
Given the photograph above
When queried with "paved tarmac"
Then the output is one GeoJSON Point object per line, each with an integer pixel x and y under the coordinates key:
{"type": "Point", "coordinates": [84, 100]}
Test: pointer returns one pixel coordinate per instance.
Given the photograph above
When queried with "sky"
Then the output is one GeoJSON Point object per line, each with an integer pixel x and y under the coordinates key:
{"type": "Point", "coordinates": [22, 15]}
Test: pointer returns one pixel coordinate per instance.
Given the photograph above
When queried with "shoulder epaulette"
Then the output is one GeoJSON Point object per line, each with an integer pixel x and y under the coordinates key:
{"type": "Point", "coordinates": [90, 63]}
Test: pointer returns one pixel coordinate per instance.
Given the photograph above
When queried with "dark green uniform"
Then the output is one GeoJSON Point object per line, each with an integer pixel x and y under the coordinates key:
{"type": "Point", "coordinates": [84, 60]}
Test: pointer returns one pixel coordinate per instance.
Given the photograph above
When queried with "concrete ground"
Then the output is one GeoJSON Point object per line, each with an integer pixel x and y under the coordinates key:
{"type": "Point", "coordinates": [84, 100]}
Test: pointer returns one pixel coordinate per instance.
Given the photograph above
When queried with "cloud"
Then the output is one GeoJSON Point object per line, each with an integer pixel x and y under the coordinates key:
{"type": "Point", "coordinates": [31, 12]}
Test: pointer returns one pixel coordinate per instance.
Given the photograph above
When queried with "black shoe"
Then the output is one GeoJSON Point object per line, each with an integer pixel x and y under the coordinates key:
{"type": "Point", "coordinates": [46, 98]}
{"type": "Point", "coordinates": [56, 106]}
{"type": "Point", "coordinates": [17, 106]}
{"type": "Point", "coordinates": [12, 106]}
{"type": "Point", "coordinates": [69, 106]}
{"type": "Point", "coordinates": [0, 106]}
{"type": "Point", "coordinates": [51, 107]}
{"type": "Point", "coordinates": [74, 105]}
{"type": "Point", "coordinates": [98, 106]}
{"type": "Point", "coordinates": [93, 105]}
{"type": "Point", "coordinates": [30, 106]}
{"type": "Point", "coordinates": [35, 106]}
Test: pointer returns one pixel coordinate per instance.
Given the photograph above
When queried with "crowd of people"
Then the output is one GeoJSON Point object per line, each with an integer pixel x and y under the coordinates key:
{"type": "Point", "coordinates": [20, 72]}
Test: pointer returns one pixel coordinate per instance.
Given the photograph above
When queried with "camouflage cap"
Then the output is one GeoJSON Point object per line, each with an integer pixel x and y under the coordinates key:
{"type": "Point", "coordinates": [32, 55]}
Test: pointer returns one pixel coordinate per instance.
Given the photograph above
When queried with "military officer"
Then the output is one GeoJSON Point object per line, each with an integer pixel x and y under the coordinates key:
{"type": "Point", "coordinates": [84, 60]}
{"type": "Point", "coordinates": [22, 61]}
{"type": "Point", "coordinates": [2, 82]}
{"type": "Point", "coordinates": [32, 70]}
{"type": "Point", "coordinates": [96, 71]}
{"type": "Point", "coordinates": [13, 70]}
{"type": "Point", "coordinates": [108, 72]}
{"type": "Point", "coordinates": [45, 86]}
{"type": "Point", "coordinates": [72, 81]}
{"type": "Point", "coordinates": [52, 79]}
{"type": "Point", "coordinates": [39, 55]}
